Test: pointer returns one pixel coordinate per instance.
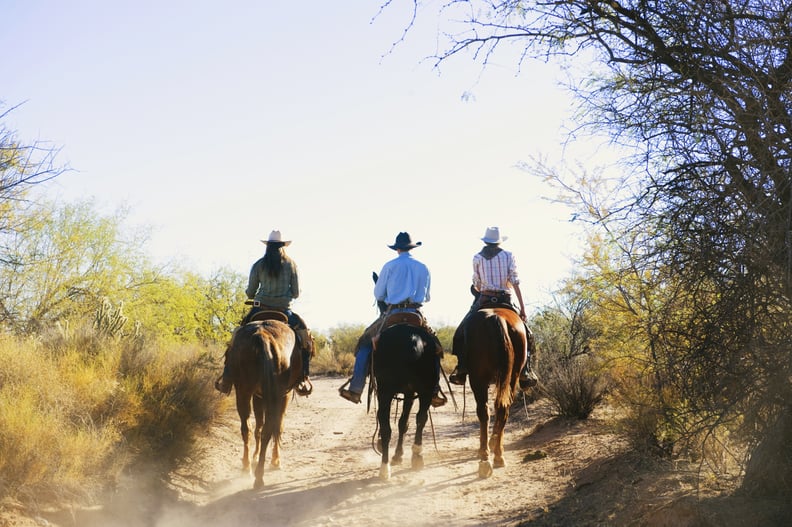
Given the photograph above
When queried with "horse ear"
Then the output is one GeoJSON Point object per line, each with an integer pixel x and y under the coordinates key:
{"type": "Point", "coordinates": [374, 276]}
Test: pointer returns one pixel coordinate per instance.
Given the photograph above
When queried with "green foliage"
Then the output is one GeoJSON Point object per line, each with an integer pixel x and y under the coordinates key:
{"type": "Point", "coordinates": [338, 354]}
{"type": "Point", "coordinates": [67, 262]}
{"type": "Point", "coordinates": [61, 263]}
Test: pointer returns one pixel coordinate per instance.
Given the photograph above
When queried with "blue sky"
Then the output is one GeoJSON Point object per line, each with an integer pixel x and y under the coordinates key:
{"type": "Point", "coordinates": [216, 123]}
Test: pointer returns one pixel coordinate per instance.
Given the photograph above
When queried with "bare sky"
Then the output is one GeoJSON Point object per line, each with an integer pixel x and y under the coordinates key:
{"type": "Point", "coordinates": [218, 122]}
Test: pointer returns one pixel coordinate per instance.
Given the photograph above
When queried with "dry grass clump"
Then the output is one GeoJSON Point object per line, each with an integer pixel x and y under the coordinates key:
{"type": "Point", "coordinates": [574, 386]}
{"type": "Point", "coordinates": [77, 409]}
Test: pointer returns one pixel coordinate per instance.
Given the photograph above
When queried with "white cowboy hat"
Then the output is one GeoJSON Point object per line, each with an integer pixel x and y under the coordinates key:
{"type": "Point", "coordinates": [275, 236]}
{"type": "Point", "coordinates": [493, 236]}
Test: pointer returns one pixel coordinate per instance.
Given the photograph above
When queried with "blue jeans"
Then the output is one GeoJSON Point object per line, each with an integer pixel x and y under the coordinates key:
{"type": "Point", "coordinates": [362, 362]}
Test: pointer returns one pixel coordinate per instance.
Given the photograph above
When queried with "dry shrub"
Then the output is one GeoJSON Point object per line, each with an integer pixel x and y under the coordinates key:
{"type": "Point", "coordinates": [325, 361]}
{"type": "Point", "coordinates": [50, 445]}
{"type": "Point", "coordinates": [76, 411]}
{"type": "Point", "coordinates": [574, 386]}
{"type": "Point", "coordinates": [177, 402]}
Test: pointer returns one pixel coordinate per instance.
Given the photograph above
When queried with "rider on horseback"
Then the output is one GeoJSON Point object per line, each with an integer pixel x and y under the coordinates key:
{"type": "Point", "coordinates": [402, 287]}
{"type": "Point", "coordinates": [272, 285]}
{"type": "Point", "coordinates": [494, 275]}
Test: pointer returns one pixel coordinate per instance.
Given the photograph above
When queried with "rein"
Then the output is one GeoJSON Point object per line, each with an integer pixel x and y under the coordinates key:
{"type": "Point", "coordinates": [398, 399]}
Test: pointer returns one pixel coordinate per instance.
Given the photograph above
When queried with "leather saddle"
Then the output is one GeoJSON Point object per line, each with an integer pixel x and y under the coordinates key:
{"type": "Point", "coordinates": [394, 319]}
{"type": "Point", "coordinates": [270, 315]}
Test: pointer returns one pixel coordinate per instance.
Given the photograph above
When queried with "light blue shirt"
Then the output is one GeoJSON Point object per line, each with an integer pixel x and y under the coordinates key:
{"type": "Point", "coordinates": [403, 279]}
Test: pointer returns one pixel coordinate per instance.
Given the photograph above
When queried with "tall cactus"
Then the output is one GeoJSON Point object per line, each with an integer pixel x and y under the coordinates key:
{"type": "Point", "coordinates": [109, 319]}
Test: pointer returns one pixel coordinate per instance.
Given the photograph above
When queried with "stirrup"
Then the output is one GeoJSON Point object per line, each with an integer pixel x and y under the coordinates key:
{"type": "Point", "coordinates": [438, 399]}
{"type": "Point", "coordinates": [304, 388]}
{"type": "Point", "coordinates": [222, 386]}
{"type": "Point", "coordinates": [528, 379]}
{"type": "Point", "coordinates": [349, 395]}
{"type": "Point", "coordinates": [458, 377]}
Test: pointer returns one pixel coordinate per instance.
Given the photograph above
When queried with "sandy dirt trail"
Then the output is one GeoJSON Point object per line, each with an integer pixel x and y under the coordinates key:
{"type": "Point", "coordinates": [329, 474]}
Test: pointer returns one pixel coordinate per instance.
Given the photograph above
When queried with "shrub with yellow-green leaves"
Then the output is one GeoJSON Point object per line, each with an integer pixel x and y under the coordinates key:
{"type": "Point", "coordinates": [78, 408]}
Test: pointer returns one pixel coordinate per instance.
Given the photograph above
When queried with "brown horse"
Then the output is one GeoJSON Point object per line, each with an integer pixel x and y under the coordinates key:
{"type": "Point", "coordinates": [265, 365]}
{"type": "Point", "coordinates": [495, 343]}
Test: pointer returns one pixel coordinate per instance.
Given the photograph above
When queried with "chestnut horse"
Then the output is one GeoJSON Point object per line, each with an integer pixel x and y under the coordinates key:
{"type": "Point", "coordinates": [495, 343]}
{"type": "Point", "coordinates": [404, 362]}
{"type": "Point", "coordinates": [265, 365]}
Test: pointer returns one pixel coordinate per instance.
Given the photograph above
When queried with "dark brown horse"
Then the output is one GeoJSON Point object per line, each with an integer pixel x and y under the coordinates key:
{"type": "Point", "coordinates": [495, 343]}
{"type": "Point", "coordinates": [265, 365]}
{"type": "Point", "coordinates": [404, 363]}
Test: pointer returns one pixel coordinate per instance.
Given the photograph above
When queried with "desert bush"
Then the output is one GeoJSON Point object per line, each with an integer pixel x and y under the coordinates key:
{"type": "Point", "coordinates": [79, 407]}
{"type": "Point", "coordinates": [338, 354]}
{"type": "Point", "coordinates": [574, 386]}
{"type": "Point", "coordinates": [177, 401]}
{"type": "Point", "coordinates": [53, 444]}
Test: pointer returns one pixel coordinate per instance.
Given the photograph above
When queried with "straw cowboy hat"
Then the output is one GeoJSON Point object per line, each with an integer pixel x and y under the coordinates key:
{"type": "Point", "coordinates": [404, 242]}
{"type": "Point", "coordinates": [275, 237]}
{"type": "Point", "coordinates": [493, 236]}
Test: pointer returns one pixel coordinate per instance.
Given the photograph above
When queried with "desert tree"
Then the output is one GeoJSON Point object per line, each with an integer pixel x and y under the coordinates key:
{"type": "Point", "coordinates": [23, 165]}
{"type": "Point", "coordinates": [700, 92]}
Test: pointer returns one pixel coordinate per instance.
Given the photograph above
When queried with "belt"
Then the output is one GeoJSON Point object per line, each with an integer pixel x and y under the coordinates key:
{"type": "Point", "coordinates": [256, 303]}
{"type": "Point", "coordinates": [405, 305]}
{"type": "Point", "coordinates": [493, 293]}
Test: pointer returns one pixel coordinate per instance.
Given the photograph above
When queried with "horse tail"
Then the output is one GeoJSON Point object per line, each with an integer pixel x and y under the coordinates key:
{"type": "Point", "coordinates": [504, 391]}
{"type": "Point", "coordinates": [268, 379]}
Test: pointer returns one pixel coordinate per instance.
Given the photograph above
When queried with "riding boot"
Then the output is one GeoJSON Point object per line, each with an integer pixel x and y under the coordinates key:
{"type": "Point", "coordinates": [528, 378]}
{"type": "Point", "coordinates": [305, 341]}
{"type": "Point", "coordinates": [459, 374]}
{"type": "Point", "coordinates": [224, 384]}
{"type": "Point", "coordinates": [438, 397]}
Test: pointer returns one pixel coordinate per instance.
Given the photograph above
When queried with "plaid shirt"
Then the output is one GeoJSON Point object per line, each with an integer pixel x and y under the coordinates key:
{"type": "Point", "coordinates": [498, 273]}
{"type": "Point", "coordinates": [274, 291]}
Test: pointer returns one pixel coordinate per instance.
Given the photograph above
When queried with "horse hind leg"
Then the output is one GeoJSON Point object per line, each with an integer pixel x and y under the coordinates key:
{"type": "Point", "coordinates": [243, 409]}
{"type": "Point", "coordinates": [404, 423]}
{"type": "Point", "coordinates": [280, 413]}
{"type": "Point", "coordinates": [258, 414]}
{"type": "Point", "coordinates": [265, 440]}
{"type": "Point", "coordinates": [420, 423]}
{"type": "Point", "coordinates": [482, 412]}
{"type": "Point", "coordinates": [383, 416]}
{"type": "Point", "coordinates": [496, 440]}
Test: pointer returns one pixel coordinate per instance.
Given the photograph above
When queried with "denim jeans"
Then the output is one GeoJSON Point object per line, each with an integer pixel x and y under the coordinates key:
{"type": "Point", "coordinates": [362, 361]}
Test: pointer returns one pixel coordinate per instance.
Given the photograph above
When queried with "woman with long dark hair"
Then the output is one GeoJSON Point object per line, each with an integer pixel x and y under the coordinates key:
{"type": "Point", "coordinates": [272, 286]}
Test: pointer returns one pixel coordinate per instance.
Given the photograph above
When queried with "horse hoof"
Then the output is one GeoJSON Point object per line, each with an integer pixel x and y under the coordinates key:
{"type": "Point", "coordinates": [396, 460]}
{"type": "Point", "coordinates": [258, 484]}
{"type": "Point", "coordinates": [485, 469]}
{"type": "Point", "coordinates": [385, 472]}
{"type": "Point", "coordinates": [499, 462]}
{"type": "Point", "coordinates": [417, 462]}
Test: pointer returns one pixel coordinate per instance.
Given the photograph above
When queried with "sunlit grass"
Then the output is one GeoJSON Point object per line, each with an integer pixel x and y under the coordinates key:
{"type": "Point", "coordinates": [77, 409]}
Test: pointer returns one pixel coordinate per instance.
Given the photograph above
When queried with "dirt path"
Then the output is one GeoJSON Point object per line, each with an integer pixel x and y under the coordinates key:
{"type": "Point", "coordinates": [329, 474]}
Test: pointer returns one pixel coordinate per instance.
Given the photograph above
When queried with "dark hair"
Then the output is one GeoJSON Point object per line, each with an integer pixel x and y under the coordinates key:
{"type": "Point", "coordinates": [273, 258]}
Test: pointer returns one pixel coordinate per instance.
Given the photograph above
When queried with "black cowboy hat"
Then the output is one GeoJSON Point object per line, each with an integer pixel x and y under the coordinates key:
{"type": "Point", "coordinates": [404, 242]}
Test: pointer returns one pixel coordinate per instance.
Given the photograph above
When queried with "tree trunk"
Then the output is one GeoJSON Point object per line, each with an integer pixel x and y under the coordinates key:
{"type": "Point", "coordinates": [769, 471]}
